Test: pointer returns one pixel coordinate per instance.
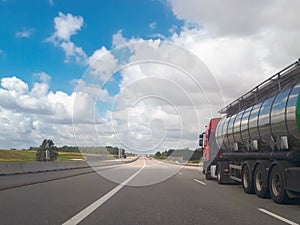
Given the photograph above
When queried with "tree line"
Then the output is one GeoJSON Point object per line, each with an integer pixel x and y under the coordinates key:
{"type": "Point", "coordinates": [49, 152]}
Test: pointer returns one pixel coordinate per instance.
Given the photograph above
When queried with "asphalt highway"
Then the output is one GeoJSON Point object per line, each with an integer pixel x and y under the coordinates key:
{"type": "Point", "coordinates": [146, 191]}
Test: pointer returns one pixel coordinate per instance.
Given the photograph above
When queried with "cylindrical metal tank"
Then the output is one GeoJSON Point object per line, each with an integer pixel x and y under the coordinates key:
{"type": "Point", "coordinates": [272, 125]}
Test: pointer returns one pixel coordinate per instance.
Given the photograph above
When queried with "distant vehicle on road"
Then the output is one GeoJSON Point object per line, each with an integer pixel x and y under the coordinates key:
{"type": "Point", "coordinates": [257, 143]}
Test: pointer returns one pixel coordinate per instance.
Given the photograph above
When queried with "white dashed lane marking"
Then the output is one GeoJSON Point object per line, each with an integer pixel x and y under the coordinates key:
{"type": "Point", "coordinates": [277, 216]}
{"type": "Point", "coordinates": [200, 182]}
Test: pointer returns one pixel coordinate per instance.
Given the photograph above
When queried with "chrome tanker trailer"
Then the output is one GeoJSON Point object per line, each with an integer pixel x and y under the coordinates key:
{"type": "Point", "coordinates": [257, 142]}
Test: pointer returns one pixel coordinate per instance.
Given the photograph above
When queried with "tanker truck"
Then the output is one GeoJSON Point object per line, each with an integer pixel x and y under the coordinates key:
{"type": "Point", "coordinates": [257, 142]}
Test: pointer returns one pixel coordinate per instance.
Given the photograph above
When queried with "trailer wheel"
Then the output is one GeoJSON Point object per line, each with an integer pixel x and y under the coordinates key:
{"type": "Point", "coordinates": [247, 182]}
{"type": "Point", "coordinates": [261, 182]}
{"type": "Point", "coordinates": [276, 184]}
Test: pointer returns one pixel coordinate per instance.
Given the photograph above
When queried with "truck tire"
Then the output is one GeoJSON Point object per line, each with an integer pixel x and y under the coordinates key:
{"type": "Point", "coordinates": [208, 175]}
{"type": "Point", "coordinates": [276, 185]}
{"type": "Point", "coordinates": [260, 182]}
{"type": "Point", "coordinates": [219, 176]}
{"type": "Point", "coordinates": [247, 181]}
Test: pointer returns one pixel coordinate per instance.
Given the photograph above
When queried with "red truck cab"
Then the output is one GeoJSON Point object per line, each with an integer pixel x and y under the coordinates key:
{"type": "Point", "coordinates": [208, 143]}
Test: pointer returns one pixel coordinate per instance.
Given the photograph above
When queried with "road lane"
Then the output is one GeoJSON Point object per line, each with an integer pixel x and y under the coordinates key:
{"type": "Point", "coordinates": [18, 180]}
{"type": "Point", "coordinates": [180, 200]}
{"type": "Point", "coordinates": [175, 200]}
{"type": "Point", "coordinates": [55, 201]}
{"type": "Point", "coordinates": [91, 208]}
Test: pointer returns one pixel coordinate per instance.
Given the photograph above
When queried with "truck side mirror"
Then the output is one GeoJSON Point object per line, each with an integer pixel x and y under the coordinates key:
{"type": "Point", "coordinates": [201, 140]}
{"type": "Point", "coordinates": [201, 143]}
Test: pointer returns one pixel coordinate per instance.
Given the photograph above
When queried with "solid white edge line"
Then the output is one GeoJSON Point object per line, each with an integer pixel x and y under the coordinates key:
{"type": "Point", "coordinates": [277, 216]}
{"type": "Point", "coordinates": [200, 182]}
{"type": "Point", "coordinates": [91, 208]}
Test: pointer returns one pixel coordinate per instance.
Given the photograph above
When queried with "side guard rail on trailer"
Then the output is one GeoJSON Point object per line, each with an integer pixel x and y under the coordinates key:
{"type": "Point", "coordinates": [291, 156]}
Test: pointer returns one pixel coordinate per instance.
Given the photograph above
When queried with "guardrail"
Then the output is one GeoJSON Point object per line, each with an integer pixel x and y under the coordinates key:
{"type": "Point", "coordinates": [9, 168]}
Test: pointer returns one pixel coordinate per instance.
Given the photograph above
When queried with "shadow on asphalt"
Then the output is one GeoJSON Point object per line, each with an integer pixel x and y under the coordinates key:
{"type": "Point", "coordinates": [293, 202]}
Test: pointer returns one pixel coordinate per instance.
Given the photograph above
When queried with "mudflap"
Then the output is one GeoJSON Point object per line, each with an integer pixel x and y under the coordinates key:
{"type": "Point", "coordinates": [223, 169]}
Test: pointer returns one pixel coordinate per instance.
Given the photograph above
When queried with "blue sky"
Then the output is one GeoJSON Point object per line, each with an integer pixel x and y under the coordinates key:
{"type": "Point", "coordinates": [24, 56]}
{"type": "Point", "coordinates": [55, 55]}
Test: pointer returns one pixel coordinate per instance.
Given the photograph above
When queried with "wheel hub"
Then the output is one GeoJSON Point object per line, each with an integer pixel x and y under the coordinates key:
{"type": "Point", "coordinates": [276, 184]}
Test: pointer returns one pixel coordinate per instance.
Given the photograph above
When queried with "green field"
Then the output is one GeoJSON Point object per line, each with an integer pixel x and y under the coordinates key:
{"type": "Point", "coordinates": [67, 156]}
{"type": "Point", "coordinates": [29, 156]}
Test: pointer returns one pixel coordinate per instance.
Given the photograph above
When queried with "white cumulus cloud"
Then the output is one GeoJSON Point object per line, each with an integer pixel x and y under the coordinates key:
{"type": "Point", "coordinates": [26, 32]}
{"type": "Point", "coordinates": [28, 115]}
{"type": "Point", "coordinates": [118, 39]}
{"type": "Point", "coordinates": [67, 25]}
{"type": "Point", "coordinates": [152, 25]}
{"type": "Point", "coordinates": [166, 95]}
{"type": "Point", "coordinates": [261, 25]}
{"type": "Point", "coordinates": [14, 85]}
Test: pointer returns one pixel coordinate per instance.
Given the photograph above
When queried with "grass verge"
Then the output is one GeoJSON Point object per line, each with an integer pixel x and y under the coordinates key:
{"type": "Point", "coordinates": [29, 156]}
